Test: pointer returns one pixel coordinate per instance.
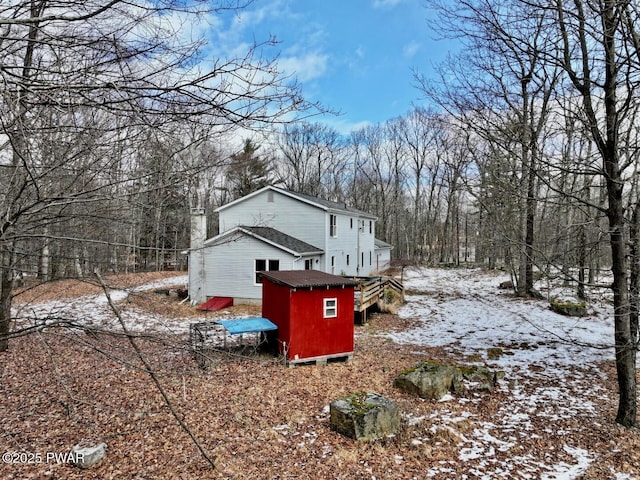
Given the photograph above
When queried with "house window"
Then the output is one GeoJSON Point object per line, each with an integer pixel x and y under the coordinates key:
{"type": "Point", "coordinates": [370, 259]}
{"type": "Point", "coordinates": [270, 197]}
{"type": "Point", "coordinates": [333, 225]}
{"type": "Point", "coordinates": [347, 260]}
{"type": "Point", "coordinates": [308, 264]}
{"type": "Point", "coordinates": [333, 264]}
{"type": "Point", "coordinates": [370, 226]}
{"type": "Point", "coordinates": [351, 223]}
{"type": "Point", "coordinates": [265, 265]}
{"type": "Point", "coordinates": [330, 307]}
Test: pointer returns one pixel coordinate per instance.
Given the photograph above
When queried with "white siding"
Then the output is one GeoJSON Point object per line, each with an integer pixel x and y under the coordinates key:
{"type": "Point", "coordinates": [230, 267]}
{"type": "Point", "coordinates": [383, 258]}
{"type": "Point", "coordinates": [293, 217]}
{"type": "Point", "coordinates": [352, 247]}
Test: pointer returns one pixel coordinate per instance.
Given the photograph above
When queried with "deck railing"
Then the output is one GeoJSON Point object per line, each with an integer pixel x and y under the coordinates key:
{"type": "Point", "coordinates": [372, 289]}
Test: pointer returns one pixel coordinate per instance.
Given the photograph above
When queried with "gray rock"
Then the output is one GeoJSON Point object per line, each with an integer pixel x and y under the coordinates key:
{"type": "Point", "coordinates": [85, 457]}
{"type": "Point", "coordinates": [481, 377]}
{"type": "Point", "coordinates": [430, 380]}
{"type": "Point", "coordinates": [569, 307]}
{"type": "Point", "coordinates": [365, 416]}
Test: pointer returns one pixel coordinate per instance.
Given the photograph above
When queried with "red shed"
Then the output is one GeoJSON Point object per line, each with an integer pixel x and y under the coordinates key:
{"type": "Point", "coordinates": [313, 311]}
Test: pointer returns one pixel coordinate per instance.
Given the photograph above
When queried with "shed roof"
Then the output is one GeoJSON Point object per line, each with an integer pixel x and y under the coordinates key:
{"type": "Point", "coordinates": [307, 279]}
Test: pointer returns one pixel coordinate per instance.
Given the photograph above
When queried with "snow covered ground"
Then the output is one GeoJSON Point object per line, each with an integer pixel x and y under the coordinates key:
{"type": "Point", "coordinates": [465, 309]}
{"type": "Point", "coordinates": [466, 312]}
{"type": "Point", "coordinates": [94, 310]}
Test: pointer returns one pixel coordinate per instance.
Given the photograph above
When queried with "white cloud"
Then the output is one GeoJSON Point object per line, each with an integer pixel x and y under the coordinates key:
{"type": "Point", "coordinates": [304, 67]}
{"type": "Point", "coordinates": [410, 49]}
{"type": "Point", "coordinates": [386, 3]}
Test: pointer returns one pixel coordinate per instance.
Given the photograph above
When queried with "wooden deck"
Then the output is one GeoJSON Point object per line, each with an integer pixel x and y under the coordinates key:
{"type": "Point", "coordinates": [373, 289]}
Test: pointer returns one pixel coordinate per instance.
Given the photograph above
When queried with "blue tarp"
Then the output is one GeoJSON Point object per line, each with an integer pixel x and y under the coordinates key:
{"type": "Point", "coordinates": [247, 325]}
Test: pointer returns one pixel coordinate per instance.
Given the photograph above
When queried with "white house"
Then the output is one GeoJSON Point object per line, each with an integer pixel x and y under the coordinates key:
{"type": "Point", "coordinates": [276, 229]}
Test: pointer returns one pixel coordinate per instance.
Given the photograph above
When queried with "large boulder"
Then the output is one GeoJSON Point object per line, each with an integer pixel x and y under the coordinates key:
{"type": "Point", "coordinates": [365, 416]}
{"type": "Point", "coordinates": [569, 307]}
{"type": "Point", "coordinates": [430, 380]}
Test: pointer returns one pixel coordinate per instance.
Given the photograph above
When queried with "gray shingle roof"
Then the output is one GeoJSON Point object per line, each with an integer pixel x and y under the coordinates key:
{"type": "Point", "coordinates": [330, 204]}
{"type": "Point", "coordinates": [282, 239]}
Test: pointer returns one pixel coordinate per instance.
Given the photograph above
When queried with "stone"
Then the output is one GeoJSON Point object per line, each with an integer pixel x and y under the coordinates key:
{"type": "Point", "coordinates": [430, 380]}
{"type": "Point", "coordinates": [86, 457]}
{"type": "Point", "coordinates": [569, 307]}
{"type": "Point", "coordinates": [365, 416]}
{"type": "Point", "coordinates": [481, 378]}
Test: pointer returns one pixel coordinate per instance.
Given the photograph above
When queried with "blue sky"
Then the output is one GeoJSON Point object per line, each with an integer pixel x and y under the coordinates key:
{"type": "Point", "coordinates": [356, 56]}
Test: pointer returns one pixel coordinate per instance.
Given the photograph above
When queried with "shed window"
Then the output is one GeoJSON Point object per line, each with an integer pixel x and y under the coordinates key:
{"type": "Point", "coordinates": [265, 265]}
{"type": "Point", "coordinates": [330, 307]}
{"type": "Point", "coordinates": [333, 225]}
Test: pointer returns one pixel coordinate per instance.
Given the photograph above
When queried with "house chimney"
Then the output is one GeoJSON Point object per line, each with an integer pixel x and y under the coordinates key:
{"type": "Point", "coordinates": [198, 227]}
{"type": "Point", "coordinates": [197, 272]}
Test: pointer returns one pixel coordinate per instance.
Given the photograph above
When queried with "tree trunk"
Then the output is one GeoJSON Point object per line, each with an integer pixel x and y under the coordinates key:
{"type": "Point", "coordinates": [6, 288]}
{"type": "Point", "coordinates": [529, 232]}
{"type": "Point", "coordinates": [624, 341]}
{"type": "Point", "coordinates": [634, 278]}
{"type": "Point", "coordinates": [45, 258]}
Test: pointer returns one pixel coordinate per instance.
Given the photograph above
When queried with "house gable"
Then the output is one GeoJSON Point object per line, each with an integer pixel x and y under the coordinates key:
{"type": "Point", "coordinates": [270, 207]}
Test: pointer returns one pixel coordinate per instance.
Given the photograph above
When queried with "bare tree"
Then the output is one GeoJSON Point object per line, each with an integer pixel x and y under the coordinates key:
{"type": "Point", "coordinates": [587, 54]}
{"type": "Point", "coordinates": [502, 75]}
{"type": "Point", "coordinates": [379, 174]}
{"type": "Point", "coordinates": [312, 159]}
{"type": "Point", "coordinates": [81, 83]}
{"type": "Point", "coordinates": [419, 130]}
{"type": "Point", "coordinates": [600, 56]}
